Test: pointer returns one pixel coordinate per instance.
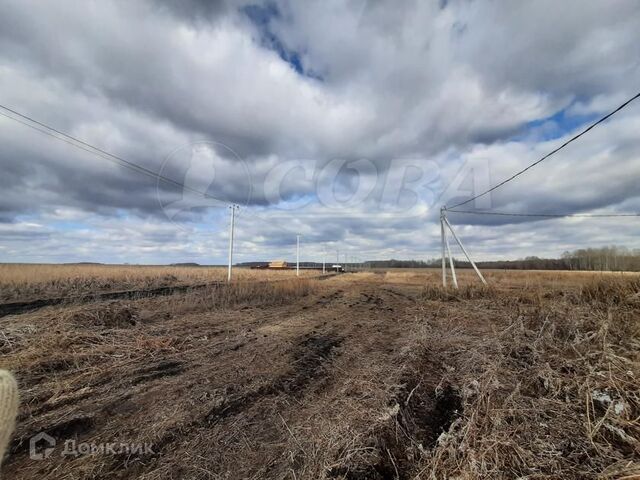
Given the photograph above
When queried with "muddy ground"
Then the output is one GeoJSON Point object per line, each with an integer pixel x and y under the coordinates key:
{"type": "Point", "coordinates": [350, 380]}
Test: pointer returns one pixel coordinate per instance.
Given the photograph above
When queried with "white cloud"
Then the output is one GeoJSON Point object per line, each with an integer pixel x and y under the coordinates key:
{"type": "Point", "coordinates": [442, 82]}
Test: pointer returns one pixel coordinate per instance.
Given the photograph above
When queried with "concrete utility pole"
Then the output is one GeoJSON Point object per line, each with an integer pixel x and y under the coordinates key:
{"type": "Point", "coordinates": [445, 244]}
{"type": "Point", "coordinates": [324, 256]}
{"type": "Point", "coordinates": [297, 255]}
{"type": "Point", "coordinates": [464, 250]}
{"type": "Point", "coordinates": [231, 228]}
{"type": "Point", "coordinates": [444, 263]}
{"type": "Point", "coordinates": [453, 268]}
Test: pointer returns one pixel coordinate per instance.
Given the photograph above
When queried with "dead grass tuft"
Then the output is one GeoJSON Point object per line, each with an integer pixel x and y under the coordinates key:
{"type": "Point", "coordinates": [552, 392]}
{"type": "Point", "coordinates": [106, 315]}
{"type": "Point", "coordinates": [611, 291]}
{"type": "Point", "coordinates": [245, 293]}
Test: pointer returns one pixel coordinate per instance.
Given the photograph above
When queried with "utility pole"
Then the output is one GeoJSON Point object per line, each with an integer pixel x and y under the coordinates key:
{"type": "Point", "coordinates": [444, 222]}
{"type": "Point", "coordinates": [453, 268]}
{"type": "Point", "coordinates": [298, 255]}
{"type": "Point", "coordinates": [231, 228]}
{"type": "Point", "coordinates": [444, 263]}
{"type": "Point", "coordinates": [324, 256]}
{"type": "Point", "coordinates": [464, 250]}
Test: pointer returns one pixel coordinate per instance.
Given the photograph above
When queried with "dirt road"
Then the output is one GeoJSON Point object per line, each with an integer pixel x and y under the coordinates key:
{"type": "Point", "coordinates": [225, 394]}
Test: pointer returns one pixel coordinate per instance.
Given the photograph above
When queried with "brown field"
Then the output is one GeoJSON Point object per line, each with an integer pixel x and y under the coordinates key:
{"type": "Point", "coordinates": [30, 281]}
{"type": "Point", "coordinates": [374, 375]}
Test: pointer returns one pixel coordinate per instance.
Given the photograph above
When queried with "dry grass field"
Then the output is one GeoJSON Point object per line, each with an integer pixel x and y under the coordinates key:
{"type": "Point", "coordinates": [376, 375]}
{"type": "Point", "coordinates": [31, 281]}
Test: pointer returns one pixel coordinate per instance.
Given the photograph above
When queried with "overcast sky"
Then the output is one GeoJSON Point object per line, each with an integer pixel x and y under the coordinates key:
{"type": "Point", "coordinates": [350, 122]}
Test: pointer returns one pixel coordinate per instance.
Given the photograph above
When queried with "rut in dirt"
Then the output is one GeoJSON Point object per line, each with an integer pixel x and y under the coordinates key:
{"type": "Point", "coordinates": [422, 412]}
{"type": "Point", "coordinates": [308, 363]}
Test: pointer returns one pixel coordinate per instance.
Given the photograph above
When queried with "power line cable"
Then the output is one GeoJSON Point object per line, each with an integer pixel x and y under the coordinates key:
{"type": "Point", "coordinates": [551, 215]}
{"type": "Point", "coordinates": [87, 147]}
{"type": "Point", "coordinates": [572, 139]}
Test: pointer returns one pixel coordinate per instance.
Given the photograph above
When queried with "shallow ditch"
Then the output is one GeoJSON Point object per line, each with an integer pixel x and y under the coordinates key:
{"type": "Point", "coordinates": [424, 412]}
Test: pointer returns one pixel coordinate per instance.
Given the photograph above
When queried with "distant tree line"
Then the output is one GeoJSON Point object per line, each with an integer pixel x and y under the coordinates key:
{"type": "Point", "coordinates": [399, 263]}
{"type": "Point", "coordinates": [611, 258]}
{"type": "Point", "coordinates": [605, 258]}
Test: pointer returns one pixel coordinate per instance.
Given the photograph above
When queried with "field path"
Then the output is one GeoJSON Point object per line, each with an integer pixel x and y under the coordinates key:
{"type": "Point", "coordinates": [222, 393]}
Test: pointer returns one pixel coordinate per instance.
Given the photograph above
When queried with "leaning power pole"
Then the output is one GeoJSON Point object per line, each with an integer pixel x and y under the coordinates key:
{"type": "Point", "coordinates": [444, 263]}
{"type": "Point", "coordinates": [464, 250]}
{"type": "Point", "coordinates": [231, 228]}
{"type": "Point", "coordinates": [444, 222]}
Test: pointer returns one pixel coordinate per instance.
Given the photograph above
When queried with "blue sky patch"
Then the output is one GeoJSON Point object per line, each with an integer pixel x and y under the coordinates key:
{"type": "Point", "coordinates": [555, 126]}
{"type": "Point", "coordinates": [261, 16]}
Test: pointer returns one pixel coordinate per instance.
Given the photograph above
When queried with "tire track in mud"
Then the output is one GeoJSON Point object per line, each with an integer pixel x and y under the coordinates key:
{"type": "Point", "coordinates": [308, 363]}
{"type": "Point", "coordinates": [424, 407]}
{"type": "Point", "coordinates": [399, 295]}
{"type": "Point", "coordinates": [309, 359]}
{"type": "Point", "coordinates": [312, 333]}
{"type": "Point", "coordinates": [125, 378]}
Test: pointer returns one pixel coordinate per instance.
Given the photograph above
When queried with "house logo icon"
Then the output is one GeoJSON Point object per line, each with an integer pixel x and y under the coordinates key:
{"type": "Point", "coordinates": [41, 446]}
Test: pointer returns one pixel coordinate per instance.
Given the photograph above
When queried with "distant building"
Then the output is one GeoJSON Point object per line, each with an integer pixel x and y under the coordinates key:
{"type": "Point", "coordinates": [278, 264]}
